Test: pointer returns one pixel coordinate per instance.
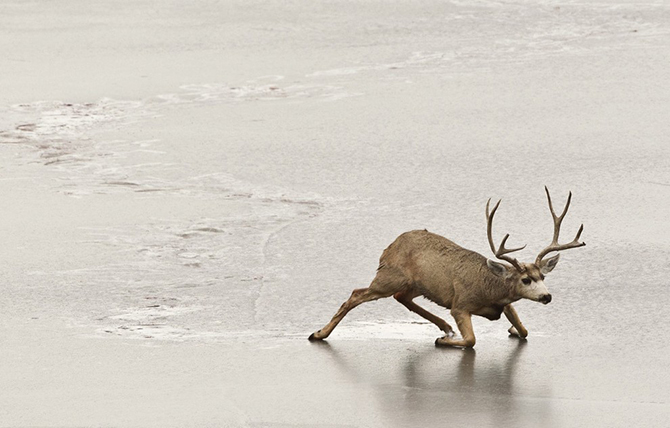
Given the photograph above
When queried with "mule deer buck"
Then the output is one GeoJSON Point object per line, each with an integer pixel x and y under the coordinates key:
{"type": "Point", "coordinates": [420, 263]}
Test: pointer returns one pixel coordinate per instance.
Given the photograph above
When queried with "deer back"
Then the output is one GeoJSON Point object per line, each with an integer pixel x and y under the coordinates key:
{"type": "Point", "coordinates": [441, 270]}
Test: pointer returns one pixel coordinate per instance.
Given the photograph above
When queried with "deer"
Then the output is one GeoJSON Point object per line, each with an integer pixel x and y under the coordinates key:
{"type": "Point", "coordinates": [421, 263]}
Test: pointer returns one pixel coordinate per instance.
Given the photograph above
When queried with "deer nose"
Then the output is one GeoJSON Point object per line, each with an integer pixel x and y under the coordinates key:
{"type": "Point", "coordinates": [546, 298]}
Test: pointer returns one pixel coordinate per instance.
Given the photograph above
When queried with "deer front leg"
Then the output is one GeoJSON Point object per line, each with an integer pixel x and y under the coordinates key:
{"type": "Point", "coordinates": [464, 323]}
{"type": "Point", "coordinates": [517, 328]}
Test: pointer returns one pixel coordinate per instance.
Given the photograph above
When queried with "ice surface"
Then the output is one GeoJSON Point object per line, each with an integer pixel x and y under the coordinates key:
{"type": "Point", "coordinates": [190, 190]}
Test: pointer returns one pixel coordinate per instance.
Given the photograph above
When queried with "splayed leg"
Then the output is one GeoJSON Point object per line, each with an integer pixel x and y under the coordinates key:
{"type": "Point", "coordinates": [406, 297]}
{"type": "Point", "coordinates": [358, 296]}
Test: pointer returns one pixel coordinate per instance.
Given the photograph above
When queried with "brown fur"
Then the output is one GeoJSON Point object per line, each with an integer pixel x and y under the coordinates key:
{"type": "Point", "coordinates": [421, 263]}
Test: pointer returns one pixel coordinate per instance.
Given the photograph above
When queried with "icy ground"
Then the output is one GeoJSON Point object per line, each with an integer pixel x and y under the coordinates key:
{"type": "Point", "coordinates": [189, 190]}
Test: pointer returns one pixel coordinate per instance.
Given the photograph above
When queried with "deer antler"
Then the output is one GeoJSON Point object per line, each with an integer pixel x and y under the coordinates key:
{"type": "Point", "coordinates": [555, 246]}
{"type": "Point", "coordinates": [501, 251]}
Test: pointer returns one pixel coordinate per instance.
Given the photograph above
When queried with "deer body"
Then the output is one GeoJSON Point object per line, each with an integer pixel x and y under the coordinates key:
{"type": "Point", "coordinates": [421, 263]}
{"type": "Point", "coordinates": [445, 273]}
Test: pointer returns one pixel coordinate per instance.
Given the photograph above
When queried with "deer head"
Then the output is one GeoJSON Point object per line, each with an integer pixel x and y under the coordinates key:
{"type": "Point", "coordinates": [528, 278]}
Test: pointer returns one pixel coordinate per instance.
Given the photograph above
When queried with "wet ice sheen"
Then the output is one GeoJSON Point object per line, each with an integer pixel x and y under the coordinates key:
{"type": "Point", "coordinates": [172, 234]}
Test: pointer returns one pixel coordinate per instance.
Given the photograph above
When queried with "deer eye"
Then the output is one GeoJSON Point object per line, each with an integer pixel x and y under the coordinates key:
{"type": "Point", "coordinates": [526, 281]}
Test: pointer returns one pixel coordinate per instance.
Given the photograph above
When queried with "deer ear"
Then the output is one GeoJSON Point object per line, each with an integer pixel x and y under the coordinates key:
{"type": "Point", "coordinates": [549, 264]}
{"type": "Point", "coordinates": [498, 269]}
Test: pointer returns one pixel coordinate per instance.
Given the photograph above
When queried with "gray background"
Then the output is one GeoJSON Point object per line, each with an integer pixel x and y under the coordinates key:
{"type": "Point", "coordinates": [191, 189]}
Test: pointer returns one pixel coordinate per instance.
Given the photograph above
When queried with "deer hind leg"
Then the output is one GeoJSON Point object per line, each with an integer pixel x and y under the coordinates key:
{"type": "Point", "coordinates": [517, 328]}
{"type": "Point", "coordinates": [464, 323]}
{"type": "Point", "coordinates": [358, 296]}
{"type": "Point", "coordinates": [406, 296]}
{"type": "Point", "coordinates": [385, 284]}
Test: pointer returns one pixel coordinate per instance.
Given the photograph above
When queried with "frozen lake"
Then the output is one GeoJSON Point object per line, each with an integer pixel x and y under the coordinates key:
{"type": "Point", "coordinates": [190, 190]}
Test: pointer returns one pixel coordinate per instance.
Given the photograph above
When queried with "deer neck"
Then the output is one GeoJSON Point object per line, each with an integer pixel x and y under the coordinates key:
{"type": "Point", "coordinates": [504, 291]}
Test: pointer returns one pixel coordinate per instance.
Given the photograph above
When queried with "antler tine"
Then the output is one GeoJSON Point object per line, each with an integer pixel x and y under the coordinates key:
{"type": "Point", "coordinates": [555, 246]}
{"type": "Point", "coordinates": [557, 219]}
{"type": "Point", "coordinates": [501, 251]}
{"type": "Point", "coordinates": [504, 250]}
{"type": "Point", "coordinates": [579, 232]}
{"type": "Point", "coordinates": [489, 223]}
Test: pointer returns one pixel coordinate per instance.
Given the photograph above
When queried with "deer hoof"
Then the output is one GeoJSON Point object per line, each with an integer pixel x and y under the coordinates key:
{"type": "Point", "coordinates": [515, 333]}
{"type": "Point", "coordinates": [446, 328]}
{"type": "Point", "coordinates": [313, 338]}
{"type": "Point", "coordinates": [442, 341]}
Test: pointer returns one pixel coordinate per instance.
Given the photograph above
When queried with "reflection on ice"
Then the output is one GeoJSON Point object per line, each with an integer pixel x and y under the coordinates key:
{"type": "Point", "coordinates": [217, 176]}
{"type": "Point", "coordinates": [428, 385]}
